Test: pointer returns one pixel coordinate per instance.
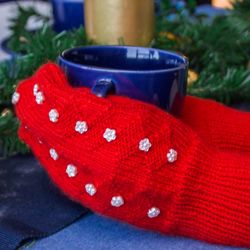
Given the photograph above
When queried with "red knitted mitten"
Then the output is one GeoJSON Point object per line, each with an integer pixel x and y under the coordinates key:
{"type": "Point", "coordinates": [132, 161]}
{"type": "Point", "coordinates": [224, 127]}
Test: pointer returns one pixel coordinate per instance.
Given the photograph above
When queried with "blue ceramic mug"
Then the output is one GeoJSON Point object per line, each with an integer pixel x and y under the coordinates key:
{"type": "Point", "coordinates": [151, 75]}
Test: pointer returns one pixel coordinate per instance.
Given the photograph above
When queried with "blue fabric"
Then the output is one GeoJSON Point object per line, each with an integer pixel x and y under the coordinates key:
{"type": "Point", "coordinates": [30, 205]}
{"type": "Point", "coordinates": [94, 232]}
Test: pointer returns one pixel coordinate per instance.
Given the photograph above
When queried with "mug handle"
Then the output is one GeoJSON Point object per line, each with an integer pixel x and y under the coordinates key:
{"type": "Point", "coordinates": [103, 87]}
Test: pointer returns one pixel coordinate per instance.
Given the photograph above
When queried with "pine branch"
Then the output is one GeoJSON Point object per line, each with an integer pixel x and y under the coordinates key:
{"type": "Point", "coordinates": [9, 141]}
{"type": "Point", "coordinates": [40, 47]}
{"type": "Point", "coordinates": [233, 87]}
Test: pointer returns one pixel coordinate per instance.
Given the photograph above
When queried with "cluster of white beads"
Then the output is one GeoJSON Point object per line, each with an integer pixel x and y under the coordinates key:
{"type": "Point", "coordinates": [117, 201]}
{"type": "Point", "coordinates": [15, 98]}
{"type": "Point", "coordinates": [153, 212]}
{"type": "Point", "coordinates": [53, 154]}
{"type": "Point", "coordinates": [71, 170]}
{"type": "Point", "coordinates": [39, 97]}
{"type": "Point", "coordinates": [90, 189]}
{"type": "Point", "coordinates": [38, 94]}
{"type": "Point", "coordinates": [81, 127]}
{"type": "Point", "coordinates": [35, 89]}
{"type": "Point", "coordinates": [109, 135]}
{"type": "Point", "coordinates": [53, 115]}
{"type": "Point", "coordinates": [172, 155]}
{"type": "Point", "coordinates": [145, 145]}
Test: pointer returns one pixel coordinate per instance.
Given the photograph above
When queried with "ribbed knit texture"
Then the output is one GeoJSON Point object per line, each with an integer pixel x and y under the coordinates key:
{"type": "Point", "coordinates": [224, 127]}
{"type": "Point", "coordinates": [204, 194]}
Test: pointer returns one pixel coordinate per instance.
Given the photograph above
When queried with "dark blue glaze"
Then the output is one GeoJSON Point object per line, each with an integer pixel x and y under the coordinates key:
{"type": "Point", "coordinates": [150, 75]}
{"type": "Point", "coordinates": [68, 14]}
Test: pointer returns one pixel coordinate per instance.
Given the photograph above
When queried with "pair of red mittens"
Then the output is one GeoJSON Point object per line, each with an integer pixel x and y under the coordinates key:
{"type": "Point", "coordinates": [132, 161]}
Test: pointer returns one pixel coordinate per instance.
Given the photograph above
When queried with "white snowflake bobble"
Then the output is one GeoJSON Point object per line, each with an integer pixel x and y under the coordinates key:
{"type": "Point", "coordinates": [172, 155]}
{"type": "Point", "coordinates": [35, 89]}
{"type": "Point", "coordinates": [53, 115]}
{"type": "Point", "coordinates": [71, 170]}
{"type": "Point", "coordinates": [53, 154]}
{"type": "Point", "coordinates": [39, 97]}
{"type": "Point", "coordinates": [38, 94]}
{"type": "Point", "coordinates": [81, 127]}
{"type": "Point", "coordinates": [117, 201]}
{"type": "Point", "coordinates": [15, 98]}
{"type": "Point", "coordinates": [153, 212]}
{"type": "Point", "coordinates": [90, 189]}
{"type": "Point", "coordinates": [145, 145]}
{"type": "Point", "coordinates": [109, 135]}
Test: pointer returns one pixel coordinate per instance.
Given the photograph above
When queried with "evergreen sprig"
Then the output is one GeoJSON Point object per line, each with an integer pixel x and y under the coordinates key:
{"type": "Point", "coordinates": [219, 52]}
{"type": "Point", "coordinates": [18, 26]}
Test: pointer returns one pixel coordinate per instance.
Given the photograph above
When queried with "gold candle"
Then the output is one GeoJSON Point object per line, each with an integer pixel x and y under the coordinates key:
{"type": "Point", "coordinates": [129, 22]}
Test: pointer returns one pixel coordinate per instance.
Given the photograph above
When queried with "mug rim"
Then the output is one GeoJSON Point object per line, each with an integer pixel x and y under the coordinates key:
{"type": "Point", "coordinates": [183, 65]}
